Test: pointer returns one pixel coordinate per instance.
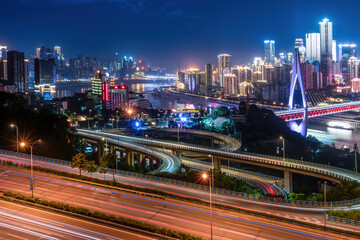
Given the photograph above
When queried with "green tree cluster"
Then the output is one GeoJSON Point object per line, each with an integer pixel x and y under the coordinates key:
{"type": "Point", "coordinates": [58, 138]}
{"type": "Point", "coordinates": [345, 191]}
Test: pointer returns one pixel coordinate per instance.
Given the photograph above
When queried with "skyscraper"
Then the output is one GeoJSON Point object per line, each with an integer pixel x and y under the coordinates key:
{"type": "Point", "coordinates": [313, 46]}
{"type": "Point", "coordinates": [208, 74]}
{"type": "Point", "coordinates": [3, 52]}
{"type": "Point", "coordinates": [326, 46]}
{"type": "Point", "coordinates": [17, 67]}
{"type": "Point", "coordinates": [353, 67]}
{"type": "Point", "coordinates": [224, 61]}
{"type": "Point", "coordinates": [269, 51]}
{"type": "Point", "coordinates": [334, 52]}
{"type": "Point", "coordinates": [299, 44]}
{"type": "Point", "coordinates": [326, 38]}
{"type": "Point", "coordinates": [57, 50]}
{"type": "Point", "coordinates": [44, 71]}
{"type": "Point", "coordinates": [97, 84]}
{"type": "Point", "coordinates": [346, 51]}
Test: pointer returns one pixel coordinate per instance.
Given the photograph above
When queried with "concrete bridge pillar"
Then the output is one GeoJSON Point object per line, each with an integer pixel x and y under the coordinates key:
{"type": "Point", "coordinates": [151, 163]}
{"type": "Point", "coordinates": [111, 148]}
{"type": "Point", "coordinates": [157, 163]}
{"type": "Point", "coordinates": [140, 159]}
{"type": "Point", "coordinates": [217, 164]}
{"type": "Point", "coordinates": [130, 158]}
{"type": "Point", "coordinates": [100, 147]}
{"type": "Point", "coordinates": [143, 162]}
{"type": "Point", "coordinates": [288, 181]}
{"type": "Point", "coordinates": [177, 153]}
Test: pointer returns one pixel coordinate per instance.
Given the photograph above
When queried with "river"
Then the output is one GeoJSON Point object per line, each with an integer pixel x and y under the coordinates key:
{"type": "Point", "coordinates": [325, 134]}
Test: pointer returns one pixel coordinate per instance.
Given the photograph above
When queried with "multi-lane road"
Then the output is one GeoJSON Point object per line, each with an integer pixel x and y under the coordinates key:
{"type": "Point", "coordinates": [309, 215]}
{"type": "Point", "coordinates": [21, 222]}
{"type": "Point", "coordinates": [169, 213]}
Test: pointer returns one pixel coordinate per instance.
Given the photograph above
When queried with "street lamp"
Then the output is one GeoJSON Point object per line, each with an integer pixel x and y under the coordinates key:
{"type": "Point", "coordinates": [283, 141]}
{"type": "Point", "coordinates": [355, 152]}
{"type": "Point", "coordinates": [17, 136]}
{"type": "Point", "coordinates": [325, 202]}
{"type": "Point", "coordinates": [205, 176]}
{"type": "Point", "coordinates": [23, 144]}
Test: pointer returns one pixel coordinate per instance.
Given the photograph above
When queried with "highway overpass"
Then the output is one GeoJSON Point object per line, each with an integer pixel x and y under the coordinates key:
{"type": "Point", "coordinates": [289, 166]}
{"type": "Point", "coordinates": [167, 161]}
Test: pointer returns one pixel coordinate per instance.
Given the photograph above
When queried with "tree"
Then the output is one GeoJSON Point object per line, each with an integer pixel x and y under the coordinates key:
{"type": "Point", "coordinates": [79, 161]}
{"type": "Point", "coordinates": [344, 191]}
{"type": "Point", "coordinates": [91, 167]}
{"type": "Point", "coordinates": [106, 161]}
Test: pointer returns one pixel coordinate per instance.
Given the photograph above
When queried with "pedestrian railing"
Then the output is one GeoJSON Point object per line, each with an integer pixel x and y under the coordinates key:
{"type": "Point", "coordinates": [342, 221]}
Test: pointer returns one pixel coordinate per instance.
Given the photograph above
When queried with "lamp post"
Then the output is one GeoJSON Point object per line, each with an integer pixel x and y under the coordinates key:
{"type": "Point", "coordinates": [355, 152]}
{"type": "Point", "coordinates": [325, 202]}
{"type": "Point", "coordinates": [17, 136]}
{"type": "Point", "coordinates": [178, 133]}
{"type": "Point", "coordinates": [205, 176]}
{"type": "Point", "coordinates": [31, 165]}
{"type": "Point", "coordinates": [283, 141]}
{"type": "Point", "coordinates": [112, 122]}
{"type": "Point", "coordinates": [88, 118]}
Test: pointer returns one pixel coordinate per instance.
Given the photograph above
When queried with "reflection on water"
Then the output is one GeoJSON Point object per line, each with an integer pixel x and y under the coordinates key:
{"type": "Point", "coordinates": [329, 135]}
{"type": "Point", "coordinates": [325, 134]}
{"type": "Point", "coordinates": [70, 92]}
{"type": "Point", "coordinates": [344, 134]}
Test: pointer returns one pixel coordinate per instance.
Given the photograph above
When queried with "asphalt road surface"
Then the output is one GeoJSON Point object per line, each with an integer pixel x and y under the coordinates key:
{"type": "Point", "coordinates": [21, 222]}
{"type": "Point", "coordinates": [174, 214]}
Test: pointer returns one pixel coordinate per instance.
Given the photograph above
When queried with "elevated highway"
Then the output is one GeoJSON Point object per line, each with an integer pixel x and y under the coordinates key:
{"type": "Point", "coordinates": [168, 161]}
{"type": "Point", "coordinates": [228, 143]}
{"type": "Point", "coordinates": [289, 166]}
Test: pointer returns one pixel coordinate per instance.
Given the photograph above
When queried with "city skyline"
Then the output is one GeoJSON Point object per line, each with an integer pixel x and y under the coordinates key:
{"type": "Point", "coordinates": [166, 33]}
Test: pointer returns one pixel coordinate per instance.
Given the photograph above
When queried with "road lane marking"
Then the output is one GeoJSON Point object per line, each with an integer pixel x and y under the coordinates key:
{"type": "Point", "coordinates": [165, 208]}
{"type": "Point", "coordinates": [70, 218]}
{"type": "Point", "coordinates": [243, 226]}
{"type": "Point", "coordinates": [23, 230]}
{"type": "Point", "coordinates": [17, 236]}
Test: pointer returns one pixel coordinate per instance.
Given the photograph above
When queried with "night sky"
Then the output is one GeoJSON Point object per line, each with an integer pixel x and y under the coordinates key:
{"type": "Point", "coordinates": [165, 32]}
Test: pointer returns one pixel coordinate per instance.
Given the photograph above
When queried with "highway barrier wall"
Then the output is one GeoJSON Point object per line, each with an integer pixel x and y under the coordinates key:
{"type": "Point", "coordinates": [259, 198]}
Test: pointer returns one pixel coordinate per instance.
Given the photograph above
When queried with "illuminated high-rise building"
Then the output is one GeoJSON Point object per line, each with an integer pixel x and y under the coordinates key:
{"type": "Point", "coordinates": [326, 38]}
{"type": "Point", "coordinates": [346, 51]}
{"type": "Point", "coordinates": [326, 46]}
{"type": "Point", "coordinates": [334, 52]}
{"type": "Point", "coordinates": [299, 44]}
{"type": "Point", "coordinates": [313, 46]}
{"type": "Point", "coordinates": [3, 52]}
{"type": "Point", "coordinates": [209, 74]}
{"type": "Point", "coordinates": [57, 50]}
{"type": "Point", "coordinates": [115, 97]}
{"type": "Point", "coordinates": [44, 71]}
{"type": "Point", "coordinates": [17, 68]}
{"type": "Point", "coordinates": [269, 46]}
{"type": "Point", "coordinates": [290, 57]}
{"type": "Point", "coordinates": [96, 84]}
{"type": "Point", "coordinates": [224, 61]}
{"type": "Point", "coordinates": [353, 67]}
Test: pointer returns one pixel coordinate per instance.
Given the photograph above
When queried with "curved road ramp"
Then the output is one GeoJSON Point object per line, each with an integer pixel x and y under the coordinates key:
{"type": "Point", "coordinates": [169, 162]}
